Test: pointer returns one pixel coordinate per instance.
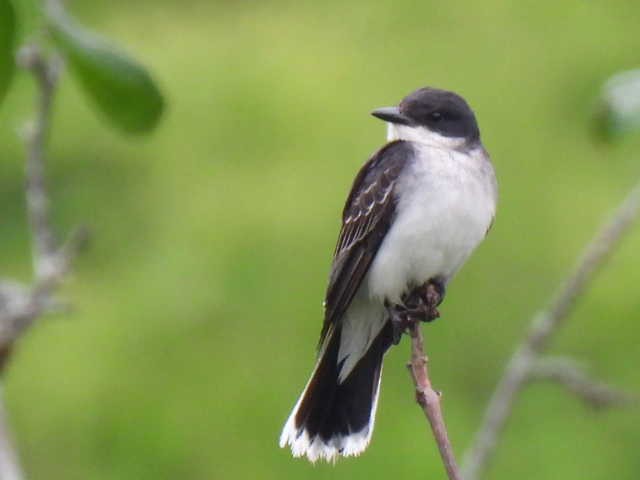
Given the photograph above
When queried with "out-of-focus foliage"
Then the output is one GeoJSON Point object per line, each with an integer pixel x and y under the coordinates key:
{"type": "Point", "coordinates": [7, 41]}
{"type": "Point", "coordinates": [120, 87]}
{"type": "Point", "coordinates": [619, 112]}
{"type": "Point", "coordinates": [198, 307]}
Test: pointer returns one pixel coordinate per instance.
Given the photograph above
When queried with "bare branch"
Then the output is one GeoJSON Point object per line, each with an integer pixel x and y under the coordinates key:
{"type": "Point", "coordinates": [9, 465]}
{"type": "Point", "coordinates": [594, 257]}
{"type": "Point", "coordinates": [545, 323]}
{"type": "Point", "coordinates": [35, 137]}
{"type": "Point", "coordinates": [20, 305]}
{"type": "Point", "coordinates": [429, 400]}
{"type": "Point", "coordinates": [571, 375]}
{"type": "Point", "coordinates": [499, 409]}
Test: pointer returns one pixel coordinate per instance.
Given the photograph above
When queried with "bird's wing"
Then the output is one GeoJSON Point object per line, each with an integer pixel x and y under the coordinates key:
{"type": "Point", "coordinates": [366, 218]}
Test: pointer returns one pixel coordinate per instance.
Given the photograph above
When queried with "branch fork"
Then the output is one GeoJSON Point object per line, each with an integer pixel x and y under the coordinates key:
{"type": "Point", "coordinates": [529, 362]}
{"type": "Point", "coordinates": [22, 305]}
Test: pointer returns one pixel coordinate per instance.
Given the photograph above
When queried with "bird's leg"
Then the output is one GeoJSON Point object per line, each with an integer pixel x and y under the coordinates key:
{"type": "Point", "coordinates": [422, 302]}
{"type": "Point", "coordinates": [419, 305]}
{"type": "Point", "coordinates": [400, 320]}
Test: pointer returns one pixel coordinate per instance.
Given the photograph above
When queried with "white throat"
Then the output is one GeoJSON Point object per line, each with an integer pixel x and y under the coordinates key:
{"type": "Point", "coordinates": [422, 135]}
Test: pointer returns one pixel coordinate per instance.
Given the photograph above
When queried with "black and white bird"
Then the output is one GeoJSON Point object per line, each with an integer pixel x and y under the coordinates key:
{"type": "Point", "coordinates": [416, 211]}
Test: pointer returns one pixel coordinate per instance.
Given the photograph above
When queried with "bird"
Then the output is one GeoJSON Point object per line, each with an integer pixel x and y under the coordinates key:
{"type": "Point", "coordinates": [416, 211]}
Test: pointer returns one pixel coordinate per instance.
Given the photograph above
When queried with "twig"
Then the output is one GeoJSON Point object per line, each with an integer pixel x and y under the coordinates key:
{"type": "Point", "coordinates": [20, 305]}
{"type": "Point", "coordinates": [35, 137]}
{"type": "Point", "coordinates": [9, 466]}
{"type": "Point", "coordinates": [570, 374]}
{"type": "Point", "coordinates": [429, 400]}
{"type": "Point", "coordinates": [521, 366]}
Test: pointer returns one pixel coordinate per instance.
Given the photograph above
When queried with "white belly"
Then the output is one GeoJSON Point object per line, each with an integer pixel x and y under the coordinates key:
{"type": "Point", "coordinates": [446, 203]}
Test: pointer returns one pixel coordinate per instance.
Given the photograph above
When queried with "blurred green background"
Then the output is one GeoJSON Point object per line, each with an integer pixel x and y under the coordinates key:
{"type": "Point", "coordinates": [197, 308]}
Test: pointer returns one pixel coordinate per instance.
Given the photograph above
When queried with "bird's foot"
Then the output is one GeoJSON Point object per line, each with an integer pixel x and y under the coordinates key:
{"type": "Point", "coordinates": [434, 291]}
{"type": "Point", "coordinates": [419, 305]}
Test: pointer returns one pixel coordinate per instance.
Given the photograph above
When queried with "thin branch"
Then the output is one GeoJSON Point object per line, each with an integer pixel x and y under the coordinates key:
{"type": "Point", "coordinates": [520, 367]}
{"type": "Point", "coordinates": [21, 305]}
{"type": "Point", "coordinates": [45, 73]}
{"type": "Point", "coordinates": [9, 465]}
{"type": "Point", "coordinates": [571, 375]}
{"type": "Point", "coordinates": [429, 400]}
{"type": "Point", "coordinates": [594, 257]}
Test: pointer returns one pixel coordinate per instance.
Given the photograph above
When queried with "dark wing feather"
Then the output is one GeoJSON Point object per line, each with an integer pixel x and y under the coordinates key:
{"type": "Point", "coordinates": [366, 218]}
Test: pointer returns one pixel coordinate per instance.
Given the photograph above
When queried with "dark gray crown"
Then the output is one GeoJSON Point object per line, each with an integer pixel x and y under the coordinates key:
{"type": "Point", "coordinates": [442, 111]}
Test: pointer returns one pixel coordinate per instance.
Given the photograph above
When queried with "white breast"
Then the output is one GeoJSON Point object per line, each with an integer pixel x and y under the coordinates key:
{"type": "Point", "coordinates": [446, 203]}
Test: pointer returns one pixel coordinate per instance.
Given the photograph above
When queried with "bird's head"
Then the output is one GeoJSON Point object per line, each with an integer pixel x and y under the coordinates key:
{"type": "Point", "coordinates": [434, 117]}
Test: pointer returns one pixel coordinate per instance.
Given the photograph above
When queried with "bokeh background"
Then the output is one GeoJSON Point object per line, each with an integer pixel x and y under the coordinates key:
{"type": "Point", "coordinates": [198, 306]}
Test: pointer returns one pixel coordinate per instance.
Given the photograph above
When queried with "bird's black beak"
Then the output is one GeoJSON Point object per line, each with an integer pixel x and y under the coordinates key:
{"type": "Point", "coordinates": [391, 115]}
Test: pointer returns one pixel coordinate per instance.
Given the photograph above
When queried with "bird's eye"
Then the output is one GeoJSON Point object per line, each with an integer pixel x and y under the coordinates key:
{"type": "Point", "coordinates": [436, 116]}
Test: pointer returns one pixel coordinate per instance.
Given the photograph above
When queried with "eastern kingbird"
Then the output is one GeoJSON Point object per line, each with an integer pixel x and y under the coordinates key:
{"type": "Point", "coordinates": [416, 211]}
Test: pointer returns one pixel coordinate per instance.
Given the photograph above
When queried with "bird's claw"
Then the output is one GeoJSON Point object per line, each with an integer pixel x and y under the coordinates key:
{"type": "Point", "coordinates": [419, 305]}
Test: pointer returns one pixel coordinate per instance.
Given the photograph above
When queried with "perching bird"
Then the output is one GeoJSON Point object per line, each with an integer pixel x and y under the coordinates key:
{"type": "Point", "coordinates": [416, 211]}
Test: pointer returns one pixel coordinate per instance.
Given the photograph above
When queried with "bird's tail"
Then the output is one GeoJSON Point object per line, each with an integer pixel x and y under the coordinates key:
{"type": "Point", "coordinates": [334, 416]}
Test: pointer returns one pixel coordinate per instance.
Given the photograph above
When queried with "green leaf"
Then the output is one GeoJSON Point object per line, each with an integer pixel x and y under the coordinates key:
{"type": "Point", "coordinates": [619, 110]}
{"type": "Point", "coordinates": [120, 87]}
{"type": "Point", "coordinates": [7, 43]}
